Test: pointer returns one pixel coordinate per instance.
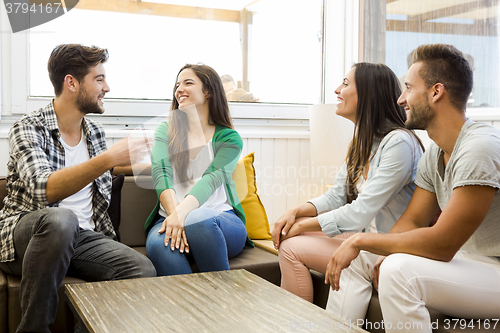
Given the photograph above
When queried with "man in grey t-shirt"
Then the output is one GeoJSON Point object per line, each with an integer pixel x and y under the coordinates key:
{"type": "Point", "coordinates": [452, 266]}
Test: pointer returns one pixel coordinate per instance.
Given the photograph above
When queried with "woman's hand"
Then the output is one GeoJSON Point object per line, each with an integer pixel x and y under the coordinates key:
{"type": "Point", "coordinates": [173, 227]}
{"type": "Point", "coordinates": [376, 271]}
{"type": "Point", "coordinates": [282, 226]}
{"type": "Point", "coordinates": [294, 230]}
{"type": "Point", "coordinates": [340, 260]}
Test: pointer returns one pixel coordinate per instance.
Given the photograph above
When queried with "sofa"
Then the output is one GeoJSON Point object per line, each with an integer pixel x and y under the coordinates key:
{"type": "Point", "coordinates": [137, 201]}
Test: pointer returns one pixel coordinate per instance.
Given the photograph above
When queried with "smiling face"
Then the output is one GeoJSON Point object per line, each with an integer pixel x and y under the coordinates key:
{"type": "Point", "coordinates": [189, 89]}
{"type": "Point", "coordinates": [347, 97]}
{"type": "Point", "coordinates": [92, 90]}
{"type": "Point", "coordinates": [415, 100]}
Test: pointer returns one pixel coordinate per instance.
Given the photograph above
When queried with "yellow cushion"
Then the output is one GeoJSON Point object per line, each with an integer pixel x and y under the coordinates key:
{"type": "Point", "coordinates": [246, 186]}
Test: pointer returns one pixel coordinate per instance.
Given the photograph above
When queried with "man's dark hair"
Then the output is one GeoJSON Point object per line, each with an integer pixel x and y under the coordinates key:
{"type": "Point", "coordinates": [73, 59]}
{"type": "Point", "coordinates": [445, 64]}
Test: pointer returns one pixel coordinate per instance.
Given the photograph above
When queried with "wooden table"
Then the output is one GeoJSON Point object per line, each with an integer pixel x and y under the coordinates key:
{"type": "Point", "coordinates": [227, 301]}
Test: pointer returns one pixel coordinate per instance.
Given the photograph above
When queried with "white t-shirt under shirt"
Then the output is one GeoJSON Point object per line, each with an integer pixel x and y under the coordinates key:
{"type": "Point", "coordinates": [81, 202]}
{"type": "Point", "coordinates": [195, 171]}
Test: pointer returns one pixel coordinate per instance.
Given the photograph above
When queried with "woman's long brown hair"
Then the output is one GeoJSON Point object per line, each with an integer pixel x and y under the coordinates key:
{"type": "Point", "coordinates": [178, 128]}
{"type": "Point", "coordinates": [377, 114]}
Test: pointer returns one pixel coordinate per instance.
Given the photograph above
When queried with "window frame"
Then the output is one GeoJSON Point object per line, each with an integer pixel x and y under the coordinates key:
{"type": "Point", "coordinates": [341, 27]}
{"type": "Point", "coordinates": [341, 22]}
{"type": "Point", "coordinates": [486, 114]}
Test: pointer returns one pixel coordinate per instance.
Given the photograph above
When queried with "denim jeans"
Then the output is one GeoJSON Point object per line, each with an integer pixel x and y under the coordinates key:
{"type": "Point", "coordinates": [49, 245]}
{"type": "Point", "coordinates": [213, 238]}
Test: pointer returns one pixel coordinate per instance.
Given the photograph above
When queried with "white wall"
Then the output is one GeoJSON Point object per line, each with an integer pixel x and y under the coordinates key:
{"type": "Point", "coordinates": [282, 171]}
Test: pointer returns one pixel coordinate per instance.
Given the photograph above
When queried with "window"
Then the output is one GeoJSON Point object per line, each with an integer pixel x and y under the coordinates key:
{"type": "Point", "coordinates": [271, 48]}
{"type": "Point", "coordinates": [470, 25]}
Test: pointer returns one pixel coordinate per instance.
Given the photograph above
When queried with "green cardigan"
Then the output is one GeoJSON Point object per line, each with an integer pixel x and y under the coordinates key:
{"type": "Point", "coordinates": [227, 146]}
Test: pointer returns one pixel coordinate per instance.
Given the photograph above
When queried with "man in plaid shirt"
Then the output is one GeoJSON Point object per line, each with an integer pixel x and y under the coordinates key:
{"type": "Point", "coordinates": [55, 219]}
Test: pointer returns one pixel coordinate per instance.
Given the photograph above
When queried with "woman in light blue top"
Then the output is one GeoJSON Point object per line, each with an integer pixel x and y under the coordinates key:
{"type": "Point", "coordinates": [371, 190]}
{"type": "Point", "coordinates": [198, 216]}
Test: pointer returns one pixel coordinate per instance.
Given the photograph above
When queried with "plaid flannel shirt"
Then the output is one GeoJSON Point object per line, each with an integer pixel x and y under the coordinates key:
{"type": "Point", "coordinates": [35, 151]}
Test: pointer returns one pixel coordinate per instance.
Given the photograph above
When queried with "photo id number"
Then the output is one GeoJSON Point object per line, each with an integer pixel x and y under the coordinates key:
{"type": "Point", "coordinates": [470, 323]}
{"type": "Point", "coordinates": [24, 7]}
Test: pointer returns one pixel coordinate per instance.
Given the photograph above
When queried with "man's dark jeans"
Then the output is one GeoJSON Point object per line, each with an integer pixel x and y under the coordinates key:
{"type": "Point", "coordinates": [49, 245]}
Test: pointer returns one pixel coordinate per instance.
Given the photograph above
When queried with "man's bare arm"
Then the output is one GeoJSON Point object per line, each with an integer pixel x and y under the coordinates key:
{"type": "Point", "coordinates": [67, 181]}
{"type": "Point", "coordinates": [463, 214]}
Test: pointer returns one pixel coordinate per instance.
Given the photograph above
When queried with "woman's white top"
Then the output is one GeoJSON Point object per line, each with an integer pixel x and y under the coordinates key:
{"type": "Point", "coordinates": [195, 171]}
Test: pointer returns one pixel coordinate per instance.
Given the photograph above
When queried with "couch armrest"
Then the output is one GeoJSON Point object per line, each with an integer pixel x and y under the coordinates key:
{"type": "Point", "coordinates": [266, 245]}
{"type": "Point", "coordinates": [3, 301]}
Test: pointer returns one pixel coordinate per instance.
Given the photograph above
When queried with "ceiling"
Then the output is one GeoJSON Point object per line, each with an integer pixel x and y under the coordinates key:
{"type": "Point", "coordinates": [461, 17]}
{"type": "Point", "coordinates": [218, 4]}
{"type": "Point", "coordinates": [433, 9]}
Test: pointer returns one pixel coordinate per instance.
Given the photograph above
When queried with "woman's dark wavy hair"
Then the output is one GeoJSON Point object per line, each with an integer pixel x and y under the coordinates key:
{"type": "Point", "coordinates": [377, 114]}
{"type": "Point", "coordinates": [178, 124]}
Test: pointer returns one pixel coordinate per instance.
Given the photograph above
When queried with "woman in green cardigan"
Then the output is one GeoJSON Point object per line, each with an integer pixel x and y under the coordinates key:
{"type": "Point", "coordinates": [198, 215]}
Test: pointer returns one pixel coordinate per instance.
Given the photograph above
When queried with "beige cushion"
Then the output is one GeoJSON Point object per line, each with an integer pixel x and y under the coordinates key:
{"type": "Point", "coordinates": [138, 201]}
{"type": "Point", "coordinates": [258, 262]}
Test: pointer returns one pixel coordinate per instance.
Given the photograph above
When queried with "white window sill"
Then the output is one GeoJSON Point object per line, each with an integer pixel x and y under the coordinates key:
{"type": "Point", "coordinates": [251, 120]}
{"type": "Point", "coordinates": [160, 108]}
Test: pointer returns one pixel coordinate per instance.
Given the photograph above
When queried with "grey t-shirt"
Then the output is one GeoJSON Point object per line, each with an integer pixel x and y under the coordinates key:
{"type": "Point", "coordinates": [475, 160]}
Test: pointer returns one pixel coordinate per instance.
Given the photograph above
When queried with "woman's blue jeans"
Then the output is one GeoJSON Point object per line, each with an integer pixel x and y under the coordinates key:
{"type": "Point", "coordinates": [213, 238]}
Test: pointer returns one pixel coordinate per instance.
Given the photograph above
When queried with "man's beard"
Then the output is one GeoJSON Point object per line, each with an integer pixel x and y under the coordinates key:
{"type": "Point", "coordinates": [419, 117]}
{"type": "Point", "coordinates": [87, 104]}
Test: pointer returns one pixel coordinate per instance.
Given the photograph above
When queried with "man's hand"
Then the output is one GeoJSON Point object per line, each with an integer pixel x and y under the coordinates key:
{"type": "Point", "coordinates": [130, 150]}
{"type": "Point", "coordinates": [340, 260]}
